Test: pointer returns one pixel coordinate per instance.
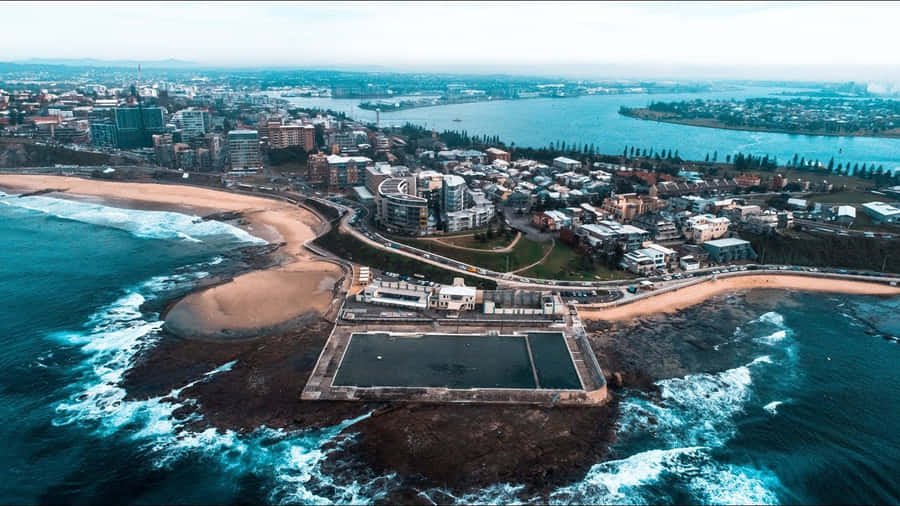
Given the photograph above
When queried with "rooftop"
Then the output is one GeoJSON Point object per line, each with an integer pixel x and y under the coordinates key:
{"type": "Point", "coordinates": [725, 243]}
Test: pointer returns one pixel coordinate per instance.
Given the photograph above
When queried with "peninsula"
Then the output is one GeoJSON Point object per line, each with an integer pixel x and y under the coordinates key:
{"type": "Point", "coordinates": [830, 117]}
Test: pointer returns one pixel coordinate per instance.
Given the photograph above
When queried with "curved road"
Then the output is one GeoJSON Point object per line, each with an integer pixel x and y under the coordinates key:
{"type": "Point", "coordinates": [514, 281]}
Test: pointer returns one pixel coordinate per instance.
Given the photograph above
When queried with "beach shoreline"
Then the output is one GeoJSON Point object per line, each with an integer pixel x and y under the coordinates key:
{"type": "Point", "coordinates": [300, 285]}
{"type": "Point", "coordinates": [682, 298]}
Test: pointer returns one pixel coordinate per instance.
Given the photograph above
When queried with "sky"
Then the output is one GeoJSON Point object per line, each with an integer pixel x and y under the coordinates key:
{"type": "Point", "coordinates": [754, 37]}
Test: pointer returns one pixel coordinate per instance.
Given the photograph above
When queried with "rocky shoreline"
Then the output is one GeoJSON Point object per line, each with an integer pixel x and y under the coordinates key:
{"type": "Point", "coordinates": [457, 449]}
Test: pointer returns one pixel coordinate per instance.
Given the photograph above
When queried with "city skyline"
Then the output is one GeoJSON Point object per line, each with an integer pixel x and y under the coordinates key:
{"type": "Point", "coordinates": [661, 39]}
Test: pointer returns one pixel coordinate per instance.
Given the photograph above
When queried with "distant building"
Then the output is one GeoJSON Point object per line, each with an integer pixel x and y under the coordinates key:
{"type": "Point", "coordinates": [243, 150]}
{"type": "Point", "coordinates": [609, 234]}
{"type": "Point", "coordinates": [648, 259]}
{"type": "Point", "coordinates": [729, 250]}
{"type": "Point", "coordinates": [522, 302]}
{"type": "Point", "coordinates": [193, 122]}
{"type": "Point", "coordinates": [136, 125]}
{"type": "Point", "coordinates": [317, 168]}
{"type": "Point", "coordinates": [624, 207]}
{"type": "Point", "coordinates": [345, 171]}
{"type": "Point", "coordinates": [688, 263]}
{"type": "Point", "coordinates": [746, 180]}
{"type": "Point", "coordinates": [564, 163]}
{"type": "Point", "coordinates": [551, 220]}
{"type": "Point", "coordinates": [399, 210]}
{"type": "Point", "coordinates": [881, 212]}
{"type": "Point", "coordinates": [496, 154]}
{"type": "Point", "coordinates": [705, 227]}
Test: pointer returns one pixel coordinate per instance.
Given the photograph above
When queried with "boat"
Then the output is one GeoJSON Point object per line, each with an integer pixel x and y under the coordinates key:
{"type": "Point", "coordinates": [456, 120]}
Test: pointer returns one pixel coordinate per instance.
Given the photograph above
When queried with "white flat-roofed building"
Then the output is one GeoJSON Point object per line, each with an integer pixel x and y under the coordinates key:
{"type": "Point", "coordinates": [396, 294]}
{"type": "Point", "coordinates": [689, 263]}
{"type": "Point", "coordinates": [797, 203]}
{"type": "Point", "coordinates": [564, 163]}
{"type": "Point", "coordinates": [729, 250]}
{"type": "Point", "coordinates": [882, 212]}
{"type": "Point", "coordinates": [647, 259]}
{"type": "Point", "coordinates": [454, 298]}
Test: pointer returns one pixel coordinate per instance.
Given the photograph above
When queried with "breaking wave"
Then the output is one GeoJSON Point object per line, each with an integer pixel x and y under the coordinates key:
{"type": "Point", "coordinates": [115, 335]}
{"type": "Point", "coordinates": [772, 407]}
{"type": "Point", "coordinates": [145, 224]}
{"type": "Point", "coordinates": [691, 470]}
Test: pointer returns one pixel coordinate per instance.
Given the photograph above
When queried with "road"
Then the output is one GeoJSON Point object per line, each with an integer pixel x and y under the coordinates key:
{"type": "Point", "coordinates": [508, 280]}
{"type": "Point", "coordinates": [512, 280]}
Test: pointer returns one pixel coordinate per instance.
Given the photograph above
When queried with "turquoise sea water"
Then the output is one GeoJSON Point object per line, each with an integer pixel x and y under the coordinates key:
{"type": "Point", "coordinates": [595, 120]}
{"type": "Point", "coordinates": [811, 417]}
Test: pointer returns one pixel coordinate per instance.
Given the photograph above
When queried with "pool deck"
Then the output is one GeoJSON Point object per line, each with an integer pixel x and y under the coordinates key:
{"type": "Point", "coordinates": [320, 385]}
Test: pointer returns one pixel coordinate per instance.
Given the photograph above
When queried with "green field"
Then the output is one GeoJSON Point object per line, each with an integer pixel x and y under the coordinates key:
{"type": "Point", "coordinates": [469, 241]}
{"type": "Point", "coordinates": [349, 247]}
{"type": "Point", "coordinates": [564, 264]}
{"type": "Point", "coordinates": [848, 197]}
{"type": "Point", "coordinates": [524, 253]}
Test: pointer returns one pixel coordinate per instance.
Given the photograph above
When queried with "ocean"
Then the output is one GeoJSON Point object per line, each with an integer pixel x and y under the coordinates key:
{"type": "Point", "coordinates": [808, 416]}
{"type": "Point", "coordinates": [595, 119]}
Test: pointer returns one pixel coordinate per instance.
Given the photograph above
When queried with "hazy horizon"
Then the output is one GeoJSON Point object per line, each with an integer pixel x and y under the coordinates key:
{"type": "Point", "coordinates": [662, 40]}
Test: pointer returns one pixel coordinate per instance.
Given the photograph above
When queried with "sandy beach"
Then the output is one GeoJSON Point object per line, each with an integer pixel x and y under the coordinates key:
{"type": "Point", "coordinates": [679, 299]}
{"type": "Point", "coordinates": [301, 285]}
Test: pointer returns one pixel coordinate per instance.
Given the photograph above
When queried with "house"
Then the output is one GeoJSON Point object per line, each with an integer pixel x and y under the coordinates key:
{"type": "Point", "coordinates": [729, 250]}
{"type": "Point", "coordinates": [688, 263]}
{"type": "Point", "coordinates": [646, 260]}
{"type": "Point", "coordinates": [705, 227]}
{"type": "Point", "coordinates": [551, 220]}
{"type": "Point", "coordinates": [564, 163]}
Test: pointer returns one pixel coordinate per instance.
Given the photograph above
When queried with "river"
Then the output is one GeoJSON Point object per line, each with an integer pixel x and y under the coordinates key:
{"type": "Point", "coordinates": [594, 119]}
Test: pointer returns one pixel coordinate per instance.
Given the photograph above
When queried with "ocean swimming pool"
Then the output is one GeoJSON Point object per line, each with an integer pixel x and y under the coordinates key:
{"type": "Point", "coordinates": [462, 361]}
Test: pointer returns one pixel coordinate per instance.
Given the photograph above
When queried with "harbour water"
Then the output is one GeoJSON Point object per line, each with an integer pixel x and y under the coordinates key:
{"type": "Point", "coordinates": [808, 415]}
{"type": "Point", "coordinates": [594, 119]}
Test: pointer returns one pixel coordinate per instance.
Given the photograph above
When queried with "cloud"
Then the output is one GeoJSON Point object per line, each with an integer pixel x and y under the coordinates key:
{"type": "Point", "coordinates": [390, 33]}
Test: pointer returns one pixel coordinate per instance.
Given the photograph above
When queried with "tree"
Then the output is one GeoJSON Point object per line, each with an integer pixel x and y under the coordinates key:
{"type": "Point", "coordinates": [707, 157]}
{"type": "Point", "coordinates": [831, 164]}
{"type": "Point", "coordinates": [727, 158]}
{"type": "Point", "coordinates": [715, 155]}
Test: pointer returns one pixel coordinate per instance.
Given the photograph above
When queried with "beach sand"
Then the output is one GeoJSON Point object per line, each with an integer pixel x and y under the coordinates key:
{"type": "Point", "coordinates": [300, 286]}
{"type": "Point", "coordinates": [685, 297]}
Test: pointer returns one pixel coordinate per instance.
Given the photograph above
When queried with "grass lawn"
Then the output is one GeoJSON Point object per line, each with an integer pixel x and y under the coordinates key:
{"type": "Point", "coordinates": [469, 241]}
{"type": "Point", "coordinates": [563, 264]}
{"type": "Point", "coordinates": [524, 253]}
{"type": "Point", "coordinates": [849, 197]}
{"type": "Point", "coordinates": [351, 248]}
{"type": "Point", "coordinates": [864, 222]}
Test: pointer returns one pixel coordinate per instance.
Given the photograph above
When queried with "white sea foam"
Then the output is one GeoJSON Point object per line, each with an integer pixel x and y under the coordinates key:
{"type": "Point", "coordinates": [648, 477]}
{"type": "Point", "coordinates": [772, 407]}
{"type": "Point", "coordinates": [774, 337]}
{"type": "Point", "coordinates": [112, 339]}
{"type": "Point", "coordinates": [146, 224]}
{"type": "Point", "coordinates": [771, 317]}
{"type": "Point", "coordinates": [765, 359]}
{"type": "Point", "coordinates": [498, 493]}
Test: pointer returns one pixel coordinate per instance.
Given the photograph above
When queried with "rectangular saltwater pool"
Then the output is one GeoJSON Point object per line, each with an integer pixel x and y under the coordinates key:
{"type": "Point", "coordinates": [457, 361]}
